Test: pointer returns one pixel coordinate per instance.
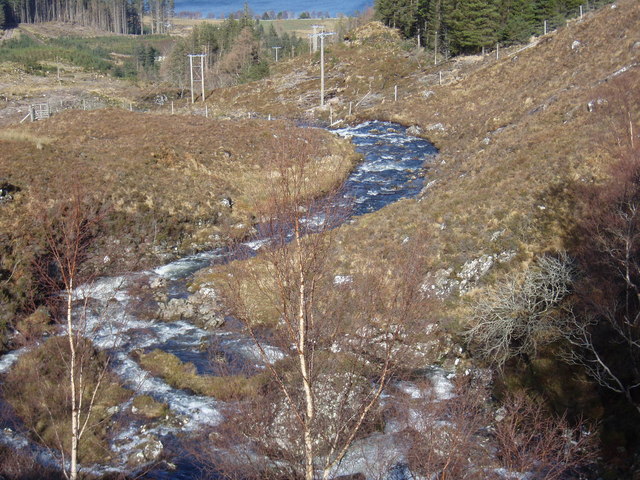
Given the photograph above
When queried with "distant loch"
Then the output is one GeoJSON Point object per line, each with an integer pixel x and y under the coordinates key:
{"type": "Point", "coordinates": [220, 8]}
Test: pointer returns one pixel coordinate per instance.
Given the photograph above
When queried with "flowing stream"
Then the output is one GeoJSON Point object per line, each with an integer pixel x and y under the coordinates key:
{"type": "Point", "coordinates": [392, 169]}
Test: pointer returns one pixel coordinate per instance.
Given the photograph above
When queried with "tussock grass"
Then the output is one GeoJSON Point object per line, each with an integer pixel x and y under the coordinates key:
{"type": "Point", "coordinates": [166, 181]}
{"type": "Point", "coordinates": [184, 376]}
{"type": "Point", "coordinates": [148, 407]}
{"type": "Point", "coordinates": [37, 388]}
{"type": "Point", "coordinates": [13, 135]}
{"type": "Point", "coordinates": [517, 134]}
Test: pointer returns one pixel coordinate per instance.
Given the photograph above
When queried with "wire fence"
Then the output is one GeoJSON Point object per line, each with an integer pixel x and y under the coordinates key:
{"type": "Point", "coordinates": [160, 103]}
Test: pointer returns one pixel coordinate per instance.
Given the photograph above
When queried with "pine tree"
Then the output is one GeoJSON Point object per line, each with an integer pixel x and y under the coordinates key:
{"type": "Point", "coordinates": [3, 15]}
{"type": "Point", "coordinates": [400, 14]}
{"type": "Point", "coordinates": [474, 24]}
{"type": "Point", "coordinates": [518, 20]}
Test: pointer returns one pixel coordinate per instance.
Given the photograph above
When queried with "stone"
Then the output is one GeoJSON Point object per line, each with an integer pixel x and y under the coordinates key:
{"type": "Point", "coordinates": [202, 308]}
{"type": "Point", "coordinates": [414, 130]}
{"type": "Point", "coordinates": [146, 452]}
{"type": "Point", "coordinates": [158, 282]}
{"type": "Point", "coordinates": [6, 190]}
{"type": "Point", "coordinates": [436, 126]}
{"type": "Point", "coordinates": [576, 45]}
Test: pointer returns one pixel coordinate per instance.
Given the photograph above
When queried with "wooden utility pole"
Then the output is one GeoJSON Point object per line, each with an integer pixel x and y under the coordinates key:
{"type": "Point", "coordinates": [197, 74]}
{"type": "Point", "coordinates": [276, 49]}
{"type": "Point", "coordinates": [321, 35]}
{"type": "Point", "coordinates": [435, 49]}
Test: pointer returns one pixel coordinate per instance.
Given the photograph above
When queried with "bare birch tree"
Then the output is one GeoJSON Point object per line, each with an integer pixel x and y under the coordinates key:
{"type": "Point", "coordinates": [603, 328]}
{"type": "Point", "coordinates": [340, 338]}
{"type": "Point", "coordinates": [69, 227]}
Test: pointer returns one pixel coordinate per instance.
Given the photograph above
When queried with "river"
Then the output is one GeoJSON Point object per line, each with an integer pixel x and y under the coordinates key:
{"type": "Point", "coordinates": [393, 168]}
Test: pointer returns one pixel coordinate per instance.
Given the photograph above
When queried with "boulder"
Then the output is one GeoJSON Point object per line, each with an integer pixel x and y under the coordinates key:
{"type": "Point", "coordinates": [414, 130]}
{"type": "Point", "coordinates": [6, 190]}
{"type": "Point", "coordinates": [148, 451]}
{"type": "Point", "coordinates": [202, 308]}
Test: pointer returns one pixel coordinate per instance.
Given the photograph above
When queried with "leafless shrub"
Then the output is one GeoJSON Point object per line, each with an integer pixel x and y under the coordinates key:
{"type": "Point", "coordinates": [532, 440]}
{"type": "Point", "coordinates": [448, 438]}
{"type": "Point", "coordinates": [521, 312]}
{"type": "Point", "coordinates": [20, 465]}
{"type": "Point", "coordinates": [603, 327]}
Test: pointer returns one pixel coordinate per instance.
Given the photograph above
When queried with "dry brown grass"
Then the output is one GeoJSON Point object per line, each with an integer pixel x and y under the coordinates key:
{"type": "Point", "coordinates": [37, 389]}
{"type": "Point", "coordinates": [184, 376]}
{"type": "Point", "coordinates": [517, 133]}
{"type": "Point", "coordinates": [166, 167]}
{"type": "Point", "coordinates": [23, 136]}
{"type": "Point", "coordinates": [166, 179]}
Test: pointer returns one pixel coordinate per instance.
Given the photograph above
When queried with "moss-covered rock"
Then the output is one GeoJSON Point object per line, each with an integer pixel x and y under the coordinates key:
{"type": "Point", "coordinates": [150, 408]}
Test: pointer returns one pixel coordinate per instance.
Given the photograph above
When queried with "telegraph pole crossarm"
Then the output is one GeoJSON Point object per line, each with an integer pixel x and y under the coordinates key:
{"type": "Point", "coordinates": [314, 36]}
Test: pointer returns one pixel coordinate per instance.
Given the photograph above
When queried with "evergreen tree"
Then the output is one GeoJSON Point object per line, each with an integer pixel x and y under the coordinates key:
{"type": "Point", "coordinates": [518, 19]}
{"type": "Point", "coordinates": [474, 24]}
{"type": "Point", "coordinates": [3, 15]}
{"type": "Point", "coordinates": [468, 25]}
{"type": "Point", "coordinates": [436, 20]}
{"type": "Point", "coordinates": [400, 14]}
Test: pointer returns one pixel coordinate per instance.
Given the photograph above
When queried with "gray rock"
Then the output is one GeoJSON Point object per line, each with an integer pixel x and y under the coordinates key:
{"type": "Point", "coordinates": [437, 127]}
{"type": "Point", "coordinates": [147, 452]}
{"type": "Point", "coordinates": [444, 282]}
{"type": "Point", "coordinates": [177, 309]}
{"type": "Point", "coordinates": [202, 308]}
{"type": "Point", "coordinates": [158, 282]}
{"type": "Point", "coordinates": [414, 130]}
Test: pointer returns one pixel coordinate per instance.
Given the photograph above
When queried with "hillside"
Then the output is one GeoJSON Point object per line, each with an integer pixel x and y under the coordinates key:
{"type": "Point", "coordinates": [514, 134]}
{"type": "Point", "coordinates": [520, 137]}
{"type": "Point", "coordinates": [171, 183]}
